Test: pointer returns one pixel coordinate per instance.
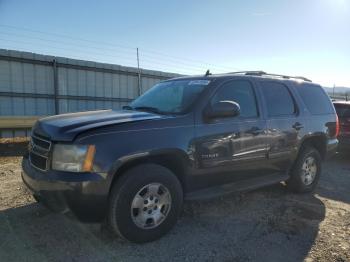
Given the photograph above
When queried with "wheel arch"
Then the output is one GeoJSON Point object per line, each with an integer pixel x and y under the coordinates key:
{"type": "Point", "coordinates": [317, 141]}
{"type": "Point", "coordinates": [175, 160]}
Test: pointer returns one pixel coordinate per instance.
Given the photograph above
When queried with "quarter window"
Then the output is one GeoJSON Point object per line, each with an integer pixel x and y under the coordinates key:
{"type": "Point", "coordinates": [241, 92]}
{"type": "Point", "coordinates": [279, 101]}
{"type": "Point", "coordinates": [315, 99]}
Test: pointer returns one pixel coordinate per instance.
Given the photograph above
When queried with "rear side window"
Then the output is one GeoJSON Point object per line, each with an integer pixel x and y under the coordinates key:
{"type": "Point", "coordinates": [343, 111]}
{"type": "Point", "coordinates": [315, 99]}
{"type": "Point", "coordinates": [241, 92]}
{"type": "Point", "coordinates": [279, 101]}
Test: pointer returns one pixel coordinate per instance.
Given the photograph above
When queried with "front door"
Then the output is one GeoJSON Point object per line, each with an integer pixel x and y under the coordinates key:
{"type": "Point", "coordinates": [232, 148]}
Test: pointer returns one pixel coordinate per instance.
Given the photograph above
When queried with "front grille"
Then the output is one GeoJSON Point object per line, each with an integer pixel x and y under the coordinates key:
{"type": "Point", "coordinates": [41, 143]}
{"type": "Point", "coordinates": [39, 152]}
{"type": "Point", "coordinates": [38, 161]}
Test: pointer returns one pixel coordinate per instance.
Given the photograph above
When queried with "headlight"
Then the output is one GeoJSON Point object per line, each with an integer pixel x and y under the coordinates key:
{"type": "Point", "coordinates": [73, 158]}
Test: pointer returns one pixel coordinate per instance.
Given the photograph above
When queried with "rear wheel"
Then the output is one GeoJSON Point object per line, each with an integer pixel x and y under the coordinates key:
{"type": "Point", "coordinates": [145, 203]}
{"type": "Point", "coordinates": [306, 171]}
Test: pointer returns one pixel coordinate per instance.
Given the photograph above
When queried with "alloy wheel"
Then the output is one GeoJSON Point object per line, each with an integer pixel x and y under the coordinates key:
{"type": "Point", "coordinates": [150, 206]}
{"type": "Point", "coordinates": [309, 170]}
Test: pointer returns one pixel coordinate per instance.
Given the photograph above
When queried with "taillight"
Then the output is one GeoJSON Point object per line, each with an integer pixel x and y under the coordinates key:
{"type": "Point", "coordinates": [337, 127]}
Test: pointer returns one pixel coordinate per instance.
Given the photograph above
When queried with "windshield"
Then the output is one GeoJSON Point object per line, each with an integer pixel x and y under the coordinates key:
{"type": "Point", "coordinates": [170, 97]}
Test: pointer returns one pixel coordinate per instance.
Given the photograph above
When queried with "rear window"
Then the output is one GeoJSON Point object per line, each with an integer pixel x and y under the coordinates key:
{"type": "Point", "coordinates": [279, 101]}
{"type": "Point", "coordinates": [343, 111]}
{"type": "Point", "coordinates": [315, 99]}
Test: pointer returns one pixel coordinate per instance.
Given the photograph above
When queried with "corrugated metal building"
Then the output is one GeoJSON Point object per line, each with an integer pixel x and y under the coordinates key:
{"type": "Point", "coordinates": [40, 85]}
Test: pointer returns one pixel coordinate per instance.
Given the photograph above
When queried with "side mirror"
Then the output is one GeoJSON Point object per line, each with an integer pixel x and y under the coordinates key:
{"type": "Point", "coordinates": [223, 109]}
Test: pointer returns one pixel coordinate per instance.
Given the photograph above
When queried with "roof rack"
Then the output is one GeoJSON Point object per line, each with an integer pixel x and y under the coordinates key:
{"type": "Point", "coordinates": [261, 73]}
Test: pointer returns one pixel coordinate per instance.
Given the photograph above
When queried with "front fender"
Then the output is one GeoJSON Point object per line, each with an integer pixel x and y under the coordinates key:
{"type": "Point", "coordinates": [171, 156]}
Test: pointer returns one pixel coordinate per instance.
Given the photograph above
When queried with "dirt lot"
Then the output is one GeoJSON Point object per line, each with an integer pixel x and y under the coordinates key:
{"type": "Point", "coordinates": [270, 224]}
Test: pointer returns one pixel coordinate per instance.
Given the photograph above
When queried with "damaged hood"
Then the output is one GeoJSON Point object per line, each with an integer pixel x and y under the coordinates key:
{"type": "Point", "coordinates": [66, 127]}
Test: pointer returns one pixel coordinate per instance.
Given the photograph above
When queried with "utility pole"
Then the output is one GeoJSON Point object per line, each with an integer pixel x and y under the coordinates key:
{"type": "Point", "coordinates": [139, 72]}
{"type": "Point", "coordinates": [55, 86]}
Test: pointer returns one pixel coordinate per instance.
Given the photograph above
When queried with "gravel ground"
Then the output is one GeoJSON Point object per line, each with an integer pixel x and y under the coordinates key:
{"type": "Point", "coordinates": [269, 224]}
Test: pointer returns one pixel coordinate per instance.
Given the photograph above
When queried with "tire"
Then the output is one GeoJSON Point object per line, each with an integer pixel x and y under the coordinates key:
{"type": "Point", "coordinates": [302, 179]}
{"type": "Point", "coordinates": [140, 183]}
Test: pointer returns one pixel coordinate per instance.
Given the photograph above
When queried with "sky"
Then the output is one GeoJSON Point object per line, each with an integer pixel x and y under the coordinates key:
{"type": "Point", "coordinates": [309, 38]}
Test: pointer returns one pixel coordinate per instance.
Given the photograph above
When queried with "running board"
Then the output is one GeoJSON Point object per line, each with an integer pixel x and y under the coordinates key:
{"type": "Point", "coordinates": [241, 186]}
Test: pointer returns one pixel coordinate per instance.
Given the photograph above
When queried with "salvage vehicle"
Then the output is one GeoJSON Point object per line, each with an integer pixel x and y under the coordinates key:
{"type": "Point", "coordinates": [187, 138]}
{"type": "Point", "coordinates": [343, 111]}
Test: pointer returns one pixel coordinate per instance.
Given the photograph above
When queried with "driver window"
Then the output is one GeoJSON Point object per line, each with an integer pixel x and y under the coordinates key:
{"type": "Point", "coordinates": [241, 92]}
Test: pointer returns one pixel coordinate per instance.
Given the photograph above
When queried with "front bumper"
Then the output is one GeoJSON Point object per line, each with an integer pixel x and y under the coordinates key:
{"type": "Point", "coordinates": [84, 194]}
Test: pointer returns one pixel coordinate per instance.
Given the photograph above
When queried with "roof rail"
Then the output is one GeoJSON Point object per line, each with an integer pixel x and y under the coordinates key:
{"type": "Point", "coordinates": [302, 78]}
{"type": "Point", "coordinates": [249, 72]}
{"type": "Point", "coordinates": [261, 73]}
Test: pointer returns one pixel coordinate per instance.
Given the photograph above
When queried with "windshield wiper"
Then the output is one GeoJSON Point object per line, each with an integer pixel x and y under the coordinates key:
{"type": "Point", "coordinates": [143, 108]}
{"type": "Point", "coordinates": [127, 108]}
{"type": "Point", "coordinates": [148, 109]}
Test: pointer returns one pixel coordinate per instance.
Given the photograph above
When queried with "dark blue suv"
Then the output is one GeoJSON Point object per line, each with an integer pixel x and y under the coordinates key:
{"type": "Point", "coordinates": [185, 138]}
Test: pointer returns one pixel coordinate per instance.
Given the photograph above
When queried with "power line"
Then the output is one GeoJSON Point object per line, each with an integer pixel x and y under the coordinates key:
{"type": "Point", "coordinates": [65, 36]}
{"type": "Point", "coordinates": [84, 56]}
{"type": "Point", "coordinates": [64, 49]}
{"type": "Point", "coordinates": [124, 58]}
{"type": "Point", "coordinates": [111, 49]}
{"type": "Point", "coordinates": [63, 42]}
{"type": "Point", "coordinates": [121, 46]}
{"type": "Point", "coordinates": [148, 57]}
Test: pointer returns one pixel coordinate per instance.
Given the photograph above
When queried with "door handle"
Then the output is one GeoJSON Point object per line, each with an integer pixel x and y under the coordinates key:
{"type": "Point", "coordinates": [297, 126]}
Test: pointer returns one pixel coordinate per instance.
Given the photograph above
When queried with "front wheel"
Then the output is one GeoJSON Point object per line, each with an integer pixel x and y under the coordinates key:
{"type": "Point", "coordinates": [145, 203]}
{"type": "Point", "coordinates": [306, 171]}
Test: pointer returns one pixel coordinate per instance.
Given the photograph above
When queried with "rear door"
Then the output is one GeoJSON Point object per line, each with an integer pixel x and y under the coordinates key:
{"type": "Point", "coordinates": [283, 124]}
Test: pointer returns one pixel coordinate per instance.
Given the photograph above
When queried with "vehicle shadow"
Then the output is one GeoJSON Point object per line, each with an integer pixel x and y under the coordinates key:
{"type": "Point", "coordinates": [265, 225]}
{"type": "Point", "coordinates": [335, 181]}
